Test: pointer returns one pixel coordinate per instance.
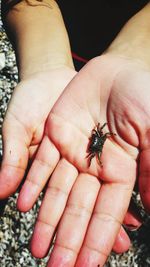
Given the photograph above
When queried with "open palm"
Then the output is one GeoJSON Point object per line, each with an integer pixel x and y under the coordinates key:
{"type": "Point", "coordinates": [111, 90]}
{"type": "Point", "coordinates": [23, 130]}
{"type": "Point", "coordinates": [24, 123]}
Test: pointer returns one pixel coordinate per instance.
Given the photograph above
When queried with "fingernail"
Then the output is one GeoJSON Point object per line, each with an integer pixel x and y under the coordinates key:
{"type": "Point", "coordinates": [131, 227]}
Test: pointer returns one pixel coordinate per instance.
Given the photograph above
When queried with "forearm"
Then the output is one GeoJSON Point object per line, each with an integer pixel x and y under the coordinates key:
{"type": "Point", "coordinates": [134, 39]}
{"type": "Point", "coordinates": [39, 36]}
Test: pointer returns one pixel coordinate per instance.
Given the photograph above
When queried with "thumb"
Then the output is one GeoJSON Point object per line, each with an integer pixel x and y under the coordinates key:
{"type": "Point", "coordinates": [15, 156]}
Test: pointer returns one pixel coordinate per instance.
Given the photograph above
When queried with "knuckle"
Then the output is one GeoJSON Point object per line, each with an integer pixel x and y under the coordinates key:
{"type": "Point", "coordinates": [43, 163]}
{"type": "Point", "coordinates": [90, 181]}
{"type": "Point", "coordinates": [106, 217]}
{"type": "Point", "coordinates": [45, 223]}
{"type": "Point", "coordinates": [34, 183]}
{"type": "Point", "coordinates": [77, 210]}
{"type": "Point", "coordinates": [98, 251]}
{"type": "Point", "coordinates": [67, 248]}
{"type": "Point", "coordinates": [55, 191]}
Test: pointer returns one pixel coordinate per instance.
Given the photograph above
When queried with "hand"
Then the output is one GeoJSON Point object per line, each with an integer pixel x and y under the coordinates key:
{"type": "Point", "coordinates": [22, 134]}
{"type": "Point", "coordinates": [108, 89]}
{"type": "Point", "coordinates": [24, 123]}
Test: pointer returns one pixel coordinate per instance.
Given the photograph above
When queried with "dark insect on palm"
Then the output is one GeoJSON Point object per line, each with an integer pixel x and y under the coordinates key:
{"type": "Point", "coordinates": [96, 143]}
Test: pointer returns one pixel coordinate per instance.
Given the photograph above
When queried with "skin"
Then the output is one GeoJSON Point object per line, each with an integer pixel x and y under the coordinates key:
{"type": "Point", "coordinates": [24, 149]}
{"type": "Point", "coordinates": [33, 133]}
{"type": "Point", "coordinates": [90, 223]}
{"type": "Point", "coordinates": [40, 63]}
{"type": "Point", "coordinates": [28, 130]}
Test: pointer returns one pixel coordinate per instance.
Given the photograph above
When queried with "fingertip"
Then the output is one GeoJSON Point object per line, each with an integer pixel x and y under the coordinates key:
{"type": "Point", "coordinates": [27, 197]}
{"type": "Point", "coordinates": [132, 220]}
{"type": "Point", "coordinates": [40, 241]}
{"type": "Point", "coordinates": [22, 206]}
{"type": "Point", "coordinates": [15, 159]}
{"type": "Point", "coordinates": [10, 178]}
{"type": "Point", "coordinates": [37, 251]}
{"type": "Point", "coordinates": [122, 242]}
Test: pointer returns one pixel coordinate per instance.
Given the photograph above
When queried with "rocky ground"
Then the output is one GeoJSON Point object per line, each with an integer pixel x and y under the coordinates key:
{"type": "Point", "coordinates": [15, 227]}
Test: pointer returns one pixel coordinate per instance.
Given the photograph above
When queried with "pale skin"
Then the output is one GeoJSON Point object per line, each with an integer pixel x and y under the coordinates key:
{"type": "Point", "coordinates": [99, 197]}
{"type": "Point", "coordinates": [30, 131]}
{"type": "Point", "coordinates": [40, 63]}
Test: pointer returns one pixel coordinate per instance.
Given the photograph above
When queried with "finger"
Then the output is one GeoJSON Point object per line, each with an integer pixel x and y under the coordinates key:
{"type": "Point", "coordinates": [133, 219]}
{"type": "Point", "coordinates": [15, 156]}
{"type": "Point", "coordinates": [122, 242]}
{"type": "Point", "coordinates": [144, 178]}
{"type": "Point", "coordinates": [43, 165]}
{"type": "Point", "coordinates": [75, 220]}
{"type": "Point", "coordinates": [32, 151]}
{"type": "Point", "coordinates": [52, 207]}
{"type": "Point", "coordinates": [110, 209]}
{"type": "Point", "coordinates": [132, 222]}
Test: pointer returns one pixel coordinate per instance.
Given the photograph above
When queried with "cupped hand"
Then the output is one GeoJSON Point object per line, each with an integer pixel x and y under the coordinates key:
{"type": "Point", "coordinates": [24, 124]}
{"type": "Point", "coordinates": [95, 197]}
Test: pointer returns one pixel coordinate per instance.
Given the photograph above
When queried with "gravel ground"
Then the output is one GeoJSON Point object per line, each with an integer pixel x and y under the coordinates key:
{"type": "Point", "coordinates": [15, 227]}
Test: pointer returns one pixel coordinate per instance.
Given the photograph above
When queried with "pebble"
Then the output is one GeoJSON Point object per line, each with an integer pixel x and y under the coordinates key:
{"type": "Point", "coordinates": [2, 61]}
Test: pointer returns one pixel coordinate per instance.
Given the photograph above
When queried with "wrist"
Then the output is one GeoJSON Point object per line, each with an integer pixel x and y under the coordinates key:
{"type": "Point", "coordinates": [133, 42]}
{"type": "Point", "coordinates": [38, 34]}
{"type": "Point", "coordinates": [44, 63]}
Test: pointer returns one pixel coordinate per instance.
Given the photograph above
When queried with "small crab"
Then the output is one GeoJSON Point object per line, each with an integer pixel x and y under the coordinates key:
{"type": "Point", "coordinates": [97, 141]}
